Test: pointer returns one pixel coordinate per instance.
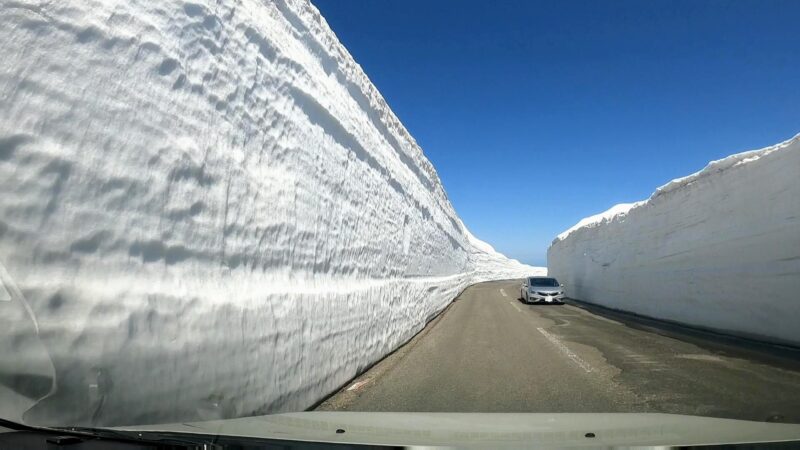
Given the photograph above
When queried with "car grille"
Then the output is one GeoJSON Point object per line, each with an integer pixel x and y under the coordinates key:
{"type": "Point", "coordinates": [548, 293]}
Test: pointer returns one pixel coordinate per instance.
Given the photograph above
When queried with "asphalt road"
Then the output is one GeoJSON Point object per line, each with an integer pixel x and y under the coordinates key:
{"type": "Point", "coordinates": [488, 352]}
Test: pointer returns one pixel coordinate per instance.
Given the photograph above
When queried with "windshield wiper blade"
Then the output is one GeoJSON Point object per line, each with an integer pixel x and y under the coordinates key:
{"type": "Point", "coordinates": [62, 434]}
{"type": "Point", "coordinates": [146, 437]}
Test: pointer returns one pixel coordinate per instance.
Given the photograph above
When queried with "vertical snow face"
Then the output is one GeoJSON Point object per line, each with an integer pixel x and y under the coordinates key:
{"type": "Point", "coordinates": [207, 211]}
{"type": "Point", "coordinates": [718, 249]}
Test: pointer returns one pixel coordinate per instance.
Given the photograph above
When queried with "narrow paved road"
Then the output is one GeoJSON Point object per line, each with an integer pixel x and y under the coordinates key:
{"type": "Point", "coordinates": [488, 352]}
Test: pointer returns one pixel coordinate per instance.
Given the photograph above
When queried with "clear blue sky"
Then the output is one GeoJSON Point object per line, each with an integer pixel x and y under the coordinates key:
{"type": "Point", "coordinates": [537, 114]}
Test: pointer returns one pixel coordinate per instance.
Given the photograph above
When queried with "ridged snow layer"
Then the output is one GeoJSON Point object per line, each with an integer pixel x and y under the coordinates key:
{"type": "Point", "coordinates": [719, 249]}
{"type": "Point", "coordinates": [207, 211]}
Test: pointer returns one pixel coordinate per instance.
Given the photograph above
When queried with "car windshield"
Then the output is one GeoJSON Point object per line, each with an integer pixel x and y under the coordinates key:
{"type": "Point", "coordinates": [544, 282]}
{"type": "Point", "coordinates": [218, 209]}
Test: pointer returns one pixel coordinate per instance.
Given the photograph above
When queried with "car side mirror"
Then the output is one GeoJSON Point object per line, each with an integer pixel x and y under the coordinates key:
{"type": "Point", "coordinates": [562, 285]}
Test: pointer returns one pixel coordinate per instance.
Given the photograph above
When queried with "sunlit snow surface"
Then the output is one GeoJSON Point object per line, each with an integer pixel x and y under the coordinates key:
{"type": "Point", "coordinates": [207, 211]}
{"type": "Point", "coordinates": [718, 249]}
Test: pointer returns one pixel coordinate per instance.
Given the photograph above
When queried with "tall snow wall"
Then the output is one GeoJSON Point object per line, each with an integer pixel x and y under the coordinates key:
{"type": "Point", "coordinates": [206, 211]}
{"type": "Point", "coordinates": [719, 249]}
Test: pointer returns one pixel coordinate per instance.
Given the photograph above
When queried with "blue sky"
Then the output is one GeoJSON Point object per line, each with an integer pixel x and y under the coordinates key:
{"type": "Point", "coordinates": [537, 114]}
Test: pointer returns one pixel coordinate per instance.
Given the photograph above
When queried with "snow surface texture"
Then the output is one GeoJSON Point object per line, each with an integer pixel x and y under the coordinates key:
{"type": "Point", "coordinates": [207, 211]}
{"type": "Point", "coordinates": [719, 249]}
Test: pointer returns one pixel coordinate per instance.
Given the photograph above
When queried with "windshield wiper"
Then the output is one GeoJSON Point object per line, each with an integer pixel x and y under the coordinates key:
{"type": "Point", "coordinates": [162, 440]}
{"type": "Point", "coordinates": [69, 436]}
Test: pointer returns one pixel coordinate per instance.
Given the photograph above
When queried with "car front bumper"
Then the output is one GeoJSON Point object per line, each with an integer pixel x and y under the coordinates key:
{"type": "Point", "coordinates": [538, 298]}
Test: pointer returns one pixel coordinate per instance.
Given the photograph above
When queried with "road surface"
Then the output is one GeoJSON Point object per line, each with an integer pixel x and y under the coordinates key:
{"type": "Point", "coordinates": [488, 352]}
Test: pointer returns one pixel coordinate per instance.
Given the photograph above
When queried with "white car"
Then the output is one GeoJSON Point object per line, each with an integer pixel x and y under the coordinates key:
{"type": "Point", "coordinates": [541, 290]}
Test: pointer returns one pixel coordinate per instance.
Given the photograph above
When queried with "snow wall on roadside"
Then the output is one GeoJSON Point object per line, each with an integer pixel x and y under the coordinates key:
{"type": "Point", "coordinates": [719, 249]}
{"type": "Point", "coordinates": [207, 211]}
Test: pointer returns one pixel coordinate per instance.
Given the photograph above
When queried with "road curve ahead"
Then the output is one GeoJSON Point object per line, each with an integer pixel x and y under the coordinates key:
{"type": "Point", "coordinates": [488, 352]}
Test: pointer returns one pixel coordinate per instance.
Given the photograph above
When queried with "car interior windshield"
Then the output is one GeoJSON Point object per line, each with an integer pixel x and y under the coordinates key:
{"type": "Point", "coordinates": [342, 221]}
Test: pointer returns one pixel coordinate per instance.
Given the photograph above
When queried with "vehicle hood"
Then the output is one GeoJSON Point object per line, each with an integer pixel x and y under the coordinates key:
{"type": "Point", "coordinates": [491, 430]}
{"type": "Point", "coordinates": [546, 289]}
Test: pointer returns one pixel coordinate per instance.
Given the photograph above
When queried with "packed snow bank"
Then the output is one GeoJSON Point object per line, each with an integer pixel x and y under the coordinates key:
{"type": "Point", "coordinates": [207, 211]}
{"type": "Point", "coordinates": [719, 249]}
{"type": "Point", "coordinates": [491, 265]}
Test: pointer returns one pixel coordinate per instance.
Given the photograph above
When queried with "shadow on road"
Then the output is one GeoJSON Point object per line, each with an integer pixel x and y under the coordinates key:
{"type": "Point", "coordinates": [521, 300]}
